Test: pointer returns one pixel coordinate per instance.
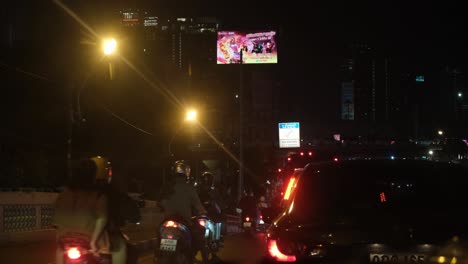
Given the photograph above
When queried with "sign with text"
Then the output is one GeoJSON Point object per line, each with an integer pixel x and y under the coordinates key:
{"type": "Point", "coordinates": [289, 136]}
{"type": "Point", "coordinates": [257, 47]}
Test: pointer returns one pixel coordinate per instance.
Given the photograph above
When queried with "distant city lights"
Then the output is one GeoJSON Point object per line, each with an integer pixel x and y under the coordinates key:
{"type": "Point", "coordinates": [420, 78]}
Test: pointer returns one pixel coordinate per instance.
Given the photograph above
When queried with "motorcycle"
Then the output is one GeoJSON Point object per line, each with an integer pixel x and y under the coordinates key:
{"type": "Point", "coordinates": [248, 224]}
{"type": "Point", "coordinates": [175, 244]}
{"type": "Point", "coordinates": [213, 225]}
{"type": "Point", "coordinates": [77, 251]}
{"type": "Point", "coordinates": [212, 233]}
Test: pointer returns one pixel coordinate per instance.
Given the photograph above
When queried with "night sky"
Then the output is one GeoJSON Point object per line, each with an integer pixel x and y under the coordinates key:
{"type": "Point", "coordinates": [313, 41]}
{"type": "Point", "coordinates": [313, 37]}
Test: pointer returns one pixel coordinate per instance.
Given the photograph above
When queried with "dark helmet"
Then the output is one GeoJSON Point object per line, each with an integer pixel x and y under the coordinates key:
{"type": "Point", "coordinates": [180, 167]}
{"type": "Point", "coordinates": [207, 178]}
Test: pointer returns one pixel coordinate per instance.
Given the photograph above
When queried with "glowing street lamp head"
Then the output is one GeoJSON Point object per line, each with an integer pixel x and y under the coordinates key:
{"type": "Point", "coordinates": [191, 115]}
{"type": "Point", "coordinates": [440, 132]}
{"type": "Point", "coordinates": [109, 46]}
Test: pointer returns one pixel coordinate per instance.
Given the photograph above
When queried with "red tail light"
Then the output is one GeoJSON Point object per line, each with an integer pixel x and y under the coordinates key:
{"type": "Point", "coordinates": [202, 222]}
{"type": "Point", "coordinates": [261, 217]}
{"type": "Point", "coordinates": [310, 153]}
{"type": "Point", "coordinates": [73, 253]}
{"type": "Point", "coordinates": [171, 224]}
{"type": "Point", "coordinates": [247, 219]}
{"type": "Point", "coordinates": [336, 159]}
{"type": "Point", "coordinates": [274, 252]}
{"type": "Point", "coordinates": [302, 153]}
{"type": "Point", "coordinates": [383, 199]}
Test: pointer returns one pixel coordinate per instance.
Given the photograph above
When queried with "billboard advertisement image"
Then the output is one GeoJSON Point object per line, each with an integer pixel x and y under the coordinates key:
{"type": "Point", "coordinates": [256, 47]}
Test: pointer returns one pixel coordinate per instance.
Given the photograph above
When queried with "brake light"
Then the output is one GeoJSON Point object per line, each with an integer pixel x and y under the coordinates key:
{"type": "Point", "coordinates": [302, 153]}
{"type": "Point", "coordinates": [247, 219]}
{"type": "Point", "coordinates": [171, 224]}
{"type": "Point", "coordinates": [73, 253]}
{"type": "Point", "coordinates": [202, 222]}
{"type": "Point", "coordinates": [310, 153]}
{"type": "Point", "coordinates": [289, 188]}
{"type": "Point", "coordinates": [336, 159]}
{"type": "Point", "coordinates": [383, 199]}
{"type": "Point", "coordinates": [274, 252]}
{"type": "Point", "coordinates": [289, 159]}
{"type": "Point", "coordinates": [261, 217]}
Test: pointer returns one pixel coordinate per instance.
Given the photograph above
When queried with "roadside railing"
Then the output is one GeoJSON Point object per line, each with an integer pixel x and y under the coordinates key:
{"type": "Point", "coordinates": [33, 211]}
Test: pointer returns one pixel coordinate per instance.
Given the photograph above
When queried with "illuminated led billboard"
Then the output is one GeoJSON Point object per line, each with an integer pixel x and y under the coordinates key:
{"type": "Point", "coordinates": [256, 47]}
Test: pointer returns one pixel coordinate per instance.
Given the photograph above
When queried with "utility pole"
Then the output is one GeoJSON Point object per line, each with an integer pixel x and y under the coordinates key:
{"type": "Point", "coordinates": [70, 124]}
{"type": "Point", "coordinates": [241, 127]}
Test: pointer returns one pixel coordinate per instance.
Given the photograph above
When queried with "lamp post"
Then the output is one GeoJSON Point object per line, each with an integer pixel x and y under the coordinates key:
{"type": "Point", "coordinates": [109, 47]}
{"type": "Point", "coordinates": [190, 116]}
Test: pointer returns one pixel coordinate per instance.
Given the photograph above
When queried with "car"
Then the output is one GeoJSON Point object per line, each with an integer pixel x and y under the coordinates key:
{"type": "Point", "coordinates": [373, 211]}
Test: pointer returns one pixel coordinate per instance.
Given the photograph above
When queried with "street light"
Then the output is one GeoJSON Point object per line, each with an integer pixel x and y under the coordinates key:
{"type": "Point", "coordinates": [109, 46]}
{"type": "Point", "coordinates": [440, 132]}
{"type": "Point", "coordinates": [190, 116]}
{"type": "Point", "coordinates": [460, 94]}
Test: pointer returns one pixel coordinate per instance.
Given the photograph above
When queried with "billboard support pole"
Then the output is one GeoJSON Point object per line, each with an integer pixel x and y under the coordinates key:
{"type": "Point", "coordinates": [241, 127]}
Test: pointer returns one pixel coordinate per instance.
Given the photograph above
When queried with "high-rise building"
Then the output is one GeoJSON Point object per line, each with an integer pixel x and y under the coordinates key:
{"type": "Point", "coordinates": [367, 86]}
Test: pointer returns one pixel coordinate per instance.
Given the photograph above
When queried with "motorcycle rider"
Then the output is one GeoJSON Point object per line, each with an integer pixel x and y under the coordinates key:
{"type": "Point", "coordinates": [248, 205]}
{"type": "Point", "coordinates": [81, 212]}
{"type": "Point", "coordinates": [178, 198]}
{"type": "Point", "coordinates": [208, 193]}
{"type": "Point", "coordinates": [121, 209]}
{"type": "Point", "coordinates": [211, 197]}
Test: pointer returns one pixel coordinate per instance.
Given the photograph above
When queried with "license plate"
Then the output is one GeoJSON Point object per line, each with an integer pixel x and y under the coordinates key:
{"type": "Point", "coordinates": [168, 244]}
{"type": "Point", "coordinates": [247, 224]}
{"type": "Point", "coordinates": [398, 258]}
